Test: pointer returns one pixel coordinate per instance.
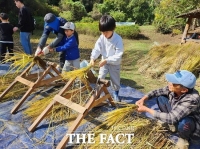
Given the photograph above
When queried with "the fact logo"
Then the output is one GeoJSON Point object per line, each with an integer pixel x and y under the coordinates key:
{"type": "Point", "coordinates": [120, 138]}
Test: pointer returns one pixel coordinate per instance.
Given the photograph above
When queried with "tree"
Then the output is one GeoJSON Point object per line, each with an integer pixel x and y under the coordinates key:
{"type": "Point", "coordinates": [74, 10]}
{"type": "Point", "coordinates": [166, 11]}
{"type": "Point", "coordinates": [140, 11]}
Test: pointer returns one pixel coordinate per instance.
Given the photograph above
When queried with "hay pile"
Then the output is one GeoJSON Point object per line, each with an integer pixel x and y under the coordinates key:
{"type": "Point", "coordinates": [170, 58]}
{"type": "Point", "coordinates": [147, 133]}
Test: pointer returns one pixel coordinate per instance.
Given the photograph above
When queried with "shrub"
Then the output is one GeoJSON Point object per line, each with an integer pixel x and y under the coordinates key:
{"type": "Point", "coordinates": [87, 19]}
{"type": "Point", "coordinates": [88, 28]}
{"type": "Point", "coordinates": [39, 22]}
{"type": "Point", "coordinates": [67, 15]}
{"type": "Point", "coordinates": [118, 15]}
{"type": "Point", "coordinates": [131, 31]}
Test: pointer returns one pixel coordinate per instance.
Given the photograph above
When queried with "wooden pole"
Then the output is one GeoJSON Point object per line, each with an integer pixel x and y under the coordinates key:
{"type": "Point", "coordinates": [187, 26]}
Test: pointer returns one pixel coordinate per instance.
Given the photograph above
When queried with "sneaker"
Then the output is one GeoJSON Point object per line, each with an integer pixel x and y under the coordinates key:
{"type": "Point", "coordinates": [181, 144]}
{"type": "Point", "coordinates": [169, 127]}
{"type": "Point", "coordinates": [59, 68]}
{"type": "Point", "coordinates": [116, 97]}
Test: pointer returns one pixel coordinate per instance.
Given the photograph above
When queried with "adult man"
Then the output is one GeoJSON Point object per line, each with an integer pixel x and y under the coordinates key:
{"type": "Point", "coordinates": [25, 26]}
{"type": "Point", "coordinates": [179, 105]}
{"type": "Point", "coordinates": [52, 24]}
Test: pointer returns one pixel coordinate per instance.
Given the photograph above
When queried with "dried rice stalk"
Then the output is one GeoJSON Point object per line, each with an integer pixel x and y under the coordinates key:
{"type": "Point", "coordinates": [19, 61]}
{"type": "Point", "coordinates": [146, 132]}
{"type": "Point", "coordinates": [78, 73]}
{"type": "Point", "coordinates": [118, 115]}
{"type": "Point", "coordinates": [170, 58]}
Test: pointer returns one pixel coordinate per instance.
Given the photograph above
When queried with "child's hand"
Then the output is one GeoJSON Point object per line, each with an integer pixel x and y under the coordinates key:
{"type": "Point", "coordinates": [102, 63]}
{"type": "Point", "coordinates": [51, 49]}
{"type": "Point", "coordinates": [15, 29]}
{"type": "Point", "coordinates": [92, 62]}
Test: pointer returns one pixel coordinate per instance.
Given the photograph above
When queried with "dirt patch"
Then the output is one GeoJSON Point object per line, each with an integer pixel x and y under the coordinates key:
{"type": "Point", "coordinates": [158, 38]}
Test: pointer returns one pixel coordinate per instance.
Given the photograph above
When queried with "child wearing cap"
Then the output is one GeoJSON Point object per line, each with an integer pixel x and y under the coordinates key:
{"type": "Point", "coordinates": [179, 105]}
{"type": "Point", "coordinates": [69, 47]}
{"type": "Point", "coordinates": [6, 38]}
{"type": "Point", "coordinates": [110, 47]}
{"type": "Point", "coordinates": [52, 25]}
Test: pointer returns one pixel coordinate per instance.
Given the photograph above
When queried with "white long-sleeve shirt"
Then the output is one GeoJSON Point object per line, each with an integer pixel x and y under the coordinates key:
{"type": "Point", "coordinates": [111, 49]}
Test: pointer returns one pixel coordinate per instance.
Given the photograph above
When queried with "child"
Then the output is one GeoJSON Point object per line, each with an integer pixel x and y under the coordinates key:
{"type": "Point", "coordinates": [6, 39]}
{"type": "Point", "coordinates": [110, 47]}
{"type": "Point", "coordinates": [70, 47]}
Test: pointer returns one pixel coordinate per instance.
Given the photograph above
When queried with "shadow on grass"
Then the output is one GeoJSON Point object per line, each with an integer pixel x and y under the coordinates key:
{"type": "Point", "coordinates": [85, 53]}
{"type": "Point", "coordinates": [142, 37]}
{"type": "Point", "coordinates": [131, 83]}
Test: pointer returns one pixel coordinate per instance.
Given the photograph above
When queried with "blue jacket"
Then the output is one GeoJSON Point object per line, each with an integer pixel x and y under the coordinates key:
{"type": "Point", "coordinates": [70, 47]}
{"type": "Point", "coordinates": [54, 27]}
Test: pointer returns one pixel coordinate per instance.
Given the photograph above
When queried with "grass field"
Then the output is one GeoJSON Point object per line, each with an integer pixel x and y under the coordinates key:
{"type": "Point", "coordinates": [134, 50]}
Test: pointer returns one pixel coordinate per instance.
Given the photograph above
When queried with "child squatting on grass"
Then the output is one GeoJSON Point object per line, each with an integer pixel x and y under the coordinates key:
{"type": "Point", "coordinates": [69, 47]}
{"type": "Point", "coordinates": [179, 105]}
{"type": "Point", "coordinates": [110, 46]}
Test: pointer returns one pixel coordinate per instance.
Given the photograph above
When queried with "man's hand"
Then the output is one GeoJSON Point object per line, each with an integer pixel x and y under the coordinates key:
{"type": "Point", "coordinates": [38, 51]}
{"type": "Point", "coordinates": [142, 108]}
{"type": "Point", "coordinates": [141, 101]}
{"type": "Point", "coordinates": [92, 62]}
{"type": "Point", "coordinates": [102, 63]}
{"type": "Point", "coordinates": [45, 50]}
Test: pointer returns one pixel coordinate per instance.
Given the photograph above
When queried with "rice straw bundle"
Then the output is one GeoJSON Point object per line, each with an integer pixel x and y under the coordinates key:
{"type": "Point", "coordinates": [19, 61]}
{"type": "Point", "coordinates": [18, 90]}
{"type": "Point", "coordinates": [37, 107]}
{"type": "Point", "coordinates": [60, 112]}
{"type": "Point", "coordinates": [147, 134]}
{"type": "Point", "coordinates": [78, 73]}
{"type": "Point", "coordinates": [118, 115]}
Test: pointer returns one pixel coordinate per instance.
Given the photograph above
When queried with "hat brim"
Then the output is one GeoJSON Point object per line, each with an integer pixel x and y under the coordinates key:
{"type": "Point", "coordinates": [66, 28]}
{"type": "Point", "coordinates": [171, 78]}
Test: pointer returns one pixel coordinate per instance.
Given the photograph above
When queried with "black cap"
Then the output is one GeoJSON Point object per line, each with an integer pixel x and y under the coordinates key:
{"type": "Point", "coordinates": [4, 16]}
{"type": "Point", "coordinates": [19, 0]}
{"type": "Point", "coordinates": [49, 17]}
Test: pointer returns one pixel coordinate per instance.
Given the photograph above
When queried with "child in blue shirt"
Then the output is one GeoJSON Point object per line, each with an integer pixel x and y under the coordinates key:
{"type": "Point", "coordinates": [69, 46]}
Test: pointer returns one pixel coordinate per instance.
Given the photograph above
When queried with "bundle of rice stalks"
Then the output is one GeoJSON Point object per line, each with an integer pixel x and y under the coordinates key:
{"type": "Point", "coordinates": [170, 58]}
{"type": "Point", "coordinates": [37, 107]}
{"type": "Point", "coordinates": [19, 61]}
{"type": "Point", "coordinates": [60, 112]}
{"type": "Point", "coordinates": [145, 133]}
{"type": "Point", "coordinates": [18, 90]}
{"type": "Point", "coordinates": [78, 73]}
{"type": "Point", "coordinates": [118, 115]}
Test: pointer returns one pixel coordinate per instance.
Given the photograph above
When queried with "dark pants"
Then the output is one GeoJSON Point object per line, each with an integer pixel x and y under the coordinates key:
{"type": "Point", "coordinates": [62, 58]}
{"type": "Point", "coordinates": [186, 125]}
{"type": "Point", "coordinates": [3, 49]}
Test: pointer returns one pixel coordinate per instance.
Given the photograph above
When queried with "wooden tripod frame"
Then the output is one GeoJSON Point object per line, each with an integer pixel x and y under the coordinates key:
{"type": "Point", "coordinates": [94, 100]}
{"type": "Point", "coordinates": [34, 80]}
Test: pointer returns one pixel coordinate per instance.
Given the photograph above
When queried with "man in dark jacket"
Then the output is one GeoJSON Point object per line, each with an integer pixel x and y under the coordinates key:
{"type": "Point", "coordinates": [52, 24]}
{"type": "Point", "coordinates": [24, 25]}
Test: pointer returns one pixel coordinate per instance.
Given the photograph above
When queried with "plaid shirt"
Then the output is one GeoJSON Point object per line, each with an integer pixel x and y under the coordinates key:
{"type": "Point", "coordinates": [186, 105]}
